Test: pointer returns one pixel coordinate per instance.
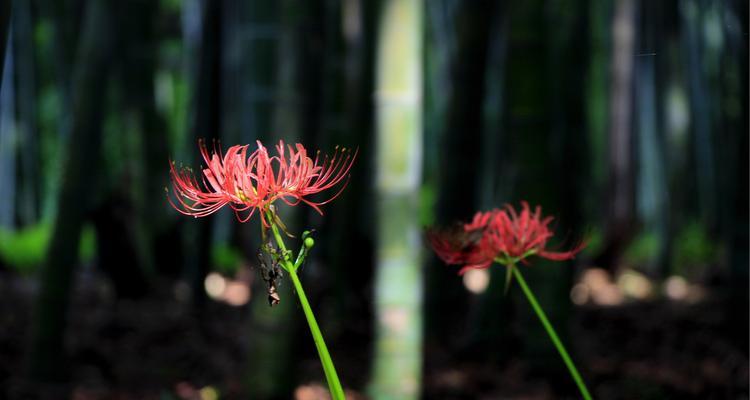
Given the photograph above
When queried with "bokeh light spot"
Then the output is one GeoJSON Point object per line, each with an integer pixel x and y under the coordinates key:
{"type": "Point", "coordinates": [476, 280]}
{"type": "Point", "coordinates": [676, 288]}
{"type": "Point", "coordinates": [237, 293]}
{"type": "Point", "coordinates": [215, 285]}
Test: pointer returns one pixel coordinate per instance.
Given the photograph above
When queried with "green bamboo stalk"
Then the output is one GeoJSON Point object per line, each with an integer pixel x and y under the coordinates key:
{"type": "Point", "coordinates": [552, 334]}
{"type": "Point", "coordinates": [398, 274]}
{"type": "Point", "coordinates": [334, 385]}
{"type": "Point", "coordinates": [57, 276]}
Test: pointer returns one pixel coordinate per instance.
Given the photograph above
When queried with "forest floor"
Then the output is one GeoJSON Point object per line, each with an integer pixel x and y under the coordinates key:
{"type": "Point", "coordinates": [160, 348]}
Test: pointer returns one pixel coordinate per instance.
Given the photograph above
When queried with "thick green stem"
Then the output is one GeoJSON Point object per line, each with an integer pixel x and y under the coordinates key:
{"type": "Point", "coordinates": [334, 385]}
{"type": "Point", "coordinates": [552, 334]}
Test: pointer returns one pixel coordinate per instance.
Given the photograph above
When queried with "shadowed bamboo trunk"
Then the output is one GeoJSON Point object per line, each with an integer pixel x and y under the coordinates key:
{"type": "Point", "coordinates": [346, 109]}
{"type": "Point", "coordinates": [398, 275]}
{"type": "Point", "coordinates": [619, 190]}
{"type": "Point", "coordinates": [273, 348]}
{"type": "Point", "coordinates": [652, 189]}
{"type": "Point", "coordinates": [488, 329]}
{"type": "Point", "coordinates": [568, 166]}
{"type": "Point", "coordinates": [265, 108]}
{"type": "Point", "coordinates": [206, 124]}
{"type": "Point", "coordinates": [66, 27]}
{"type": "Point", "coordinates": [733, 145]}
{"type": "Point", "coordinates": [544, 113]}
{"type": "Point", "coordinates": [56, 278]}
{"type": "Point", "coordinates": [460, 157]}
{"type": "Point", "coordinates": [597, 101]}
{"type": "Point", "coordinates": [59, 52]}
{"type": "Point", "coordinates": [701, 58]}
{"type": "Point", "coordinates": [29, 175]}
{"type": "Point", "coordinates": [5, 8]}
{"type": "Point", "coordinates": [155, 239]}
{"type": "Point", "coordinates": [8, 180]}
{"type": "Point", "coordinates": [123, 250]}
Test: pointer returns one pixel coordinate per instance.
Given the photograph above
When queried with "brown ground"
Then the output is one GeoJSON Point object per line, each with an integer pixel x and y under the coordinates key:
{"type": "Point", "coordinates": [157, 349]}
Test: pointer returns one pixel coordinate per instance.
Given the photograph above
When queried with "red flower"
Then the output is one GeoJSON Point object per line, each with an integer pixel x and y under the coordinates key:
{"type": "Point", "coordinates": [464, 245]}
{"type": "Point", "coordinates": [299, 176]}
{"type": "Point", "coordinates": [255, 182]}
{"type": "Point", "coordinates": [504, 236]}
{"type": "Point", "coordinates": [225, 180]}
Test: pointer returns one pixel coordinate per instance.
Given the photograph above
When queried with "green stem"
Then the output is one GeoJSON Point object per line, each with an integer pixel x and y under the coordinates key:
{"type": "Point", "coordinates": [551, 331]}
{"type": "Point", "coordinates": [334, 385]}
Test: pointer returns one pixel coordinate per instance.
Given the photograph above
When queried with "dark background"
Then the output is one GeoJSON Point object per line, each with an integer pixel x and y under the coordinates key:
{"type": "Point", "coordinates": [625, 119]}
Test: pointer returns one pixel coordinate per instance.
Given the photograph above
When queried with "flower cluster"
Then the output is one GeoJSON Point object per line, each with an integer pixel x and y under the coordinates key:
{"type": "Point", "coordinates": [254, 182]}
{"type": "Point", "coordinates": [501, 235]}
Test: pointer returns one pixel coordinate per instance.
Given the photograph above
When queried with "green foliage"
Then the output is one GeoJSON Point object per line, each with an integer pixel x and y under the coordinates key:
{"type": "Point", "coordinates": [427, 199]}
{"type": "Point", "coordinates": [692, 248]}
{"type": "Point", "coordinates": [597, 101]}
{"type": "Point", "coordinates": [120, 142]}
{"type": "Point", "coordinates": [173, 91]}
{"type": "Point", "coordinates": [643, 249]}
{"type": "Point", "coordinates": [87, 245]}
{"type": "Point", "coordinates": [49, 115]}
{"type": "Point", "coordinates": [226, 259]}
{"type": "Point", "coordinates": [24, 250]}
{"type": "Point", "coordinates": [171, 6]}
{"type": "Point", "coordinates": [594, 239]}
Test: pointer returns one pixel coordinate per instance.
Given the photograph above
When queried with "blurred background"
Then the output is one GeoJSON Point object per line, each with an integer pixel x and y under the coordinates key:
{"type": "Point", "coordinates": [627, 120]}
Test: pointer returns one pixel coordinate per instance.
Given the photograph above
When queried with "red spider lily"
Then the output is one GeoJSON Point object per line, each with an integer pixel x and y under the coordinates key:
{"type": "Point", "coordinates": [299, 176]}
{"type": "Point", "coordinates": [255, 182]}
{"type": "Point", "coordinates": [518, 236]}
{"type": "Point", "coordinates": [464, 245]}
{"type": "Point", "coordinates": [225, 180]}
{"type": "Point", "coordinates": [504, 235]}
